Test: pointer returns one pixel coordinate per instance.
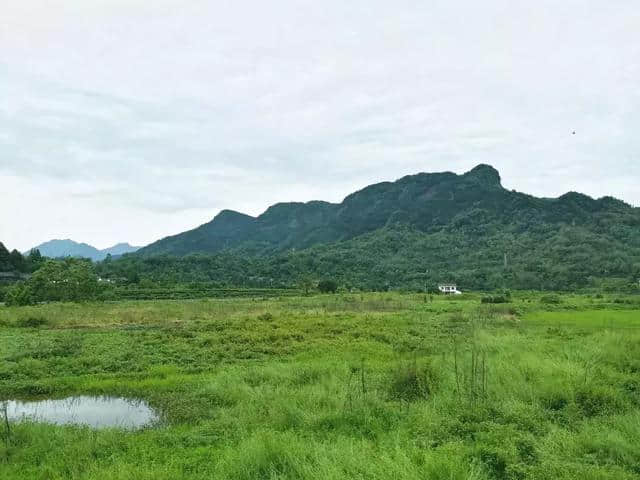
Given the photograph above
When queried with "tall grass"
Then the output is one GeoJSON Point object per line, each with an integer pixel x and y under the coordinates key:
{"type": "Point", "coordinates": [369, 386]}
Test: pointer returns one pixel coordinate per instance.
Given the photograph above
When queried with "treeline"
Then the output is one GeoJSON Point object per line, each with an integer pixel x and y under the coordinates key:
{"type": "Point", "coordinates": [397, 257]}
{"type": "Point", "coordinates": [76, 280]}
{"type": "Point", "coordinates": [15, 262]}
{"type": "Point", "coordinates": [70, 279]}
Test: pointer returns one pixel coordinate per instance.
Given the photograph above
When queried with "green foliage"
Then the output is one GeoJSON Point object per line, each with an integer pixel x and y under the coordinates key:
{"type": "Point", "coordinates": [551, 299]}
{"type": "Point", "coordinates": [306, 284]}
{"type": "Point", "coordinates": [32, 321]}
{"type": "Point", "coordinates": [19, 294]}
{"type": "Point", "coordinates": [413, 381]}
{"type": "Point", "coordinates": [14, 261]}
{"type": "Point", "coordinates": [495, 299]}
{"type": "Point", "coordinates": [68, 280]}
{"type": "Point", "coordinates": [265, 317]}
{"type": "Point", "coordinates": [327, 286]}
{"type": "Point", "coordinates": [5, 258]}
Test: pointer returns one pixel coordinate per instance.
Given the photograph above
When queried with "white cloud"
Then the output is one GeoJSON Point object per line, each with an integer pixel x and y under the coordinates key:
{"type": "Point", "coordinates": [154, 115]}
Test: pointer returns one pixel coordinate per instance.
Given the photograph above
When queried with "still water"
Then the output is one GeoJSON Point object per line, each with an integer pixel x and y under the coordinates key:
{"type": "Point", "coordinates": [96, 412]}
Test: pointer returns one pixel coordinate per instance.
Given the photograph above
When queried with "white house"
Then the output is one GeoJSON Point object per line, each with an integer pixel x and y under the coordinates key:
{"type": "Point", "coordinates": [449, 289]}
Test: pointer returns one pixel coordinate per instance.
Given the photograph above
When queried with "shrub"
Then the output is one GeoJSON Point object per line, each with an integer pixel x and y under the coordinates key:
{"type": "Point", "coordinates": [19, 294]}
{"type": "Point", "coordinates": [550, 299]}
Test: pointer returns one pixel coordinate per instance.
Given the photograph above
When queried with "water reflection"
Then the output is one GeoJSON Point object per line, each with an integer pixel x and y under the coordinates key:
{"type": "Point", "coordinates": [96, 412]}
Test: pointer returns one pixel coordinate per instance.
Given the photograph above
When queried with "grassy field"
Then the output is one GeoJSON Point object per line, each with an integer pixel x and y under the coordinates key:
{"type": "Point", "coordinates": [372, 386]}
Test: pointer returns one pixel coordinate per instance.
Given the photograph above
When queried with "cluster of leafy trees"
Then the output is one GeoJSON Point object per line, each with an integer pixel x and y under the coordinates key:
{"type": "Point", "coordinates": [14, 262]}
{"type": "Point", "coordinates": [402, 257]}
{"type": "Point", "coordinates": [56, 280]}
{"type": "Point", "coordinates": [328, 285]}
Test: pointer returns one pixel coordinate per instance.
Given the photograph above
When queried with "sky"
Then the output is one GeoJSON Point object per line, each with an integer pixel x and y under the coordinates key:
{"type": "Point", "coordinates": [130, 120]}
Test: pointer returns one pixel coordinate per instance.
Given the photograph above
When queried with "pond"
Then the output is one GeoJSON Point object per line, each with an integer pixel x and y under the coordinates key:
{"type": "Point", "coordinates": [95, 412]}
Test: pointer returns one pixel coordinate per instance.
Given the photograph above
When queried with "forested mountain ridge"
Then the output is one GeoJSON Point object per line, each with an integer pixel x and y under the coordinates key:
{"type": "Point", "coordinates": [409, 234]}
{"type": "Point", "coordinates": [474, 203]}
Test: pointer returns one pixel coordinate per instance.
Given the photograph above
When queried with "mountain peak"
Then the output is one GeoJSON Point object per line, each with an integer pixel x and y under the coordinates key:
{"type": "Point", "coordinates": [226, 216]}
{"type": "Point", "coordinates": [484, 174]}
{"type": "Point", "coordinates": [230, 213]}
{"type": "Point", "coordinates": [69, 248]}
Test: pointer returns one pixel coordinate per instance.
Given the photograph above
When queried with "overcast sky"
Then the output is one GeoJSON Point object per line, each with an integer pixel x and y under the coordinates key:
{"type": "Point", "coordinates": [128, 120]}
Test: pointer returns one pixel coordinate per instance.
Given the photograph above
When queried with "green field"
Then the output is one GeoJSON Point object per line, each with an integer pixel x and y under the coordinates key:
{"type": "Point", "coordinates": [366, 386]}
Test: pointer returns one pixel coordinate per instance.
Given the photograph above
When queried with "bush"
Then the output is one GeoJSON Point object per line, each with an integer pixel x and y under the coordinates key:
{"type": "Point", "coordinates": [495, 299]}
{"type": "Point", "coordinates": [328, 286]}
{"type": "Point", "coordinates": [412, 382]}
{"type": "Point", "coordinates": [19, 294]}
{"type": "Point", "coordinates": [599, 400]}
{"type": "Point", "coordinates": [32, 322]}
{"type": "Point", "coordinates": [551, 299]}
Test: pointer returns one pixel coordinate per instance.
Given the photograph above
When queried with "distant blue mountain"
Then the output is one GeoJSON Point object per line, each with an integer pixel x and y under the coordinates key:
{"type": "Point", "coordinates": [69, 248]}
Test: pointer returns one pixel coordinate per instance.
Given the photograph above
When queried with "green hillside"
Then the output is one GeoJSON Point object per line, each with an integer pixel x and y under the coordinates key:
{"type": "Point", "coordinates": [426, 201]}
{"type": "Point", "coordinates": [415, 232]}
{"type": "Point", "coordinates": [473, 204]}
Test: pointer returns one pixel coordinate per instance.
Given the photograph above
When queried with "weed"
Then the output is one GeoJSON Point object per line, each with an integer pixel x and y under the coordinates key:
{"type": "Point", "coordinates": [265, 317]}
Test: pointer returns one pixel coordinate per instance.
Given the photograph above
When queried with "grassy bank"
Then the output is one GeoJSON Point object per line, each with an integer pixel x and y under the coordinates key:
{"type": "Point", "coordinates": [371, 386]}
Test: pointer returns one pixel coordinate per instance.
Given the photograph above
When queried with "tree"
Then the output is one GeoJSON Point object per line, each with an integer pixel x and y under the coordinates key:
{"type": "Point", "coordinates": [5, 259]}
{"type": "Point", "coordinates": [328, 286]}
{"type": "Point", "coordinates": [34, 260]}
{"type": "Point", "coordinates": [306, 284]}
{"type": "Point", "coordinates": [17, 261]}
{"type": "Point", "coordinates": [68, 280]}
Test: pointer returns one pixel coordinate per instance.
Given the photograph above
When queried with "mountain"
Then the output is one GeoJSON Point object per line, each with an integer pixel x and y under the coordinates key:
{"type": "Point", "coordinates": [69, 248]}
{"type": "Point", "coordinates": [417, 231]}
{"type": "Point", "coordinates": [426, 202]}
{"type": "Point", "coordinates": [119, 249]}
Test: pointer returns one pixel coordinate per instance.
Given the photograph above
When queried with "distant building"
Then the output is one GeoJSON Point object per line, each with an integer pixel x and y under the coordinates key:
{"type": "Point", "coordinates": [449, 289]}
